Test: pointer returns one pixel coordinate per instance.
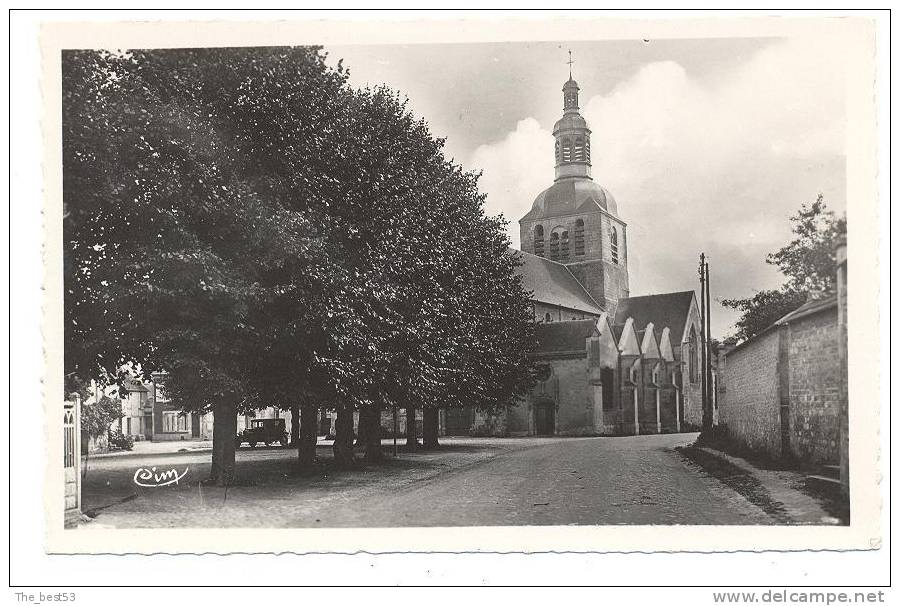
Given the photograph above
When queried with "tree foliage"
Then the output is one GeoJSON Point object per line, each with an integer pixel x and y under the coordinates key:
{"type": "Point", "coordinates": [807, 263]}
{"type": "Point", "coordinates": [246, 221]}
{"type": "Point", "coordinates": [96, 417]}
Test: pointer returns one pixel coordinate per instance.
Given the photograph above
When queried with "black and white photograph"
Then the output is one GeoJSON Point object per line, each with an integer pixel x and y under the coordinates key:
{"type": "Point", "coordinates": [597, 285]}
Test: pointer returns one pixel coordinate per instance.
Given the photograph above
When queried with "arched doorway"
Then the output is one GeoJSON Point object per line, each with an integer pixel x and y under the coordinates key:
{"type": "Point", "coordinates": [544, 417]}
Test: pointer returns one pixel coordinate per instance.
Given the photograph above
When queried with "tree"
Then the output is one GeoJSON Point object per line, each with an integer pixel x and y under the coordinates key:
{"type": "Point", "coordinates": [177, 245]}
{"type": "Point", "coordinates": [96, 417]}
{"type": "Point", "coordinates": [807, 262]}
{"type": "Point", "coordinates": [244, 220]}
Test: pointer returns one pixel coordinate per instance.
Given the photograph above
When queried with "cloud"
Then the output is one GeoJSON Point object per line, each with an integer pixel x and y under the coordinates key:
{"type": "Point", "coordinates": [515, 169]}
{"type": "Point", "coordinates": [696, 165]}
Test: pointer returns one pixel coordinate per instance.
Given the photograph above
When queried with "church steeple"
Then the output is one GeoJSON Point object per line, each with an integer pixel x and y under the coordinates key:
{"type": "Point", "coordinates": [573, 137]}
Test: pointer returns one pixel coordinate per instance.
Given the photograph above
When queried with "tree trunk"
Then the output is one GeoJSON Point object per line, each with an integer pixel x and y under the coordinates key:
{"type": "Point", "coordinates": [224, 432]}
{"type": "Point", "coordinates": [343, 439]}
{"type": "Point", "coordinates": [295, 424]}
{"type": "Point", "coordinates": [411, 440]}
{"type": "Point", "coordinates": [306, 449]}
{"type": "Point", "coordinates": [362, 430]}
{"type": "Point", "coordinates": [372, 413]}
{"type": "Point", "coordinates": [217, 446]}
{"type": "Point", "coordinates": [430, 427]}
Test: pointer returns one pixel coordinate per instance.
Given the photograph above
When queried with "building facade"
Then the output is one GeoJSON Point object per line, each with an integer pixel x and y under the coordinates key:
{"type": "Point", "coordinates": [610, 363]}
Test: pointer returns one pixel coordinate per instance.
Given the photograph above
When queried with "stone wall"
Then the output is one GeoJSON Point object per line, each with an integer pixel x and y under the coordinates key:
{"type": "Point", "coordinates": [815, 388]}
{"type": "Point", "coordinates": [691, 392]}
{"type": "Point", "coordinates": [750, 413]}
{"type": "Point", "coordinates": [796, 367]}
{"type": "Point", "coordinates": [575, 407]}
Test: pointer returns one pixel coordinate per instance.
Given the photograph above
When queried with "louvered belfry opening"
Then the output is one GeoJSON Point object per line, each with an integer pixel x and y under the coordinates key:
{"type": "Point", "coordinates": [554, 246]}
{"type": "Point", "coordinates": [539, 240]}
{"type": "Point", "coordinates": [579, 237]}
{"type": "Point", "coordinates": [614, 245]}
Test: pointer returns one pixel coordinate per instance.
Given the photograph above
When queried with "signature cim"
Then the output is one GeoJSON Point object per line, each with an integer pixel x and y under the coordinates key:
{"type": "Point", "coordinates": [150, 478]}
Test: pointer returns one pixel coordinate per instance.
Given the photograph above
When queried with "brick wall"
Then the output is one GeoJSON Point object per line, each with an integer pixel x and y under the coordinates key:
{"type": "Point", "coordinates": [815, 388]}
{"type": "Point", "coordinates": [750, 410]}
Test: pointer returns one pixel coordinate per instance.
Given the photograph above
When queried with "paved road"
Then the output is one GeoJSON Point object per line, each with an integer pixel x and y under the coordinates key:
{"type": "Point", "coordinates": [633, 480]}
{"type": "Point", "coordinates": [629, 480]}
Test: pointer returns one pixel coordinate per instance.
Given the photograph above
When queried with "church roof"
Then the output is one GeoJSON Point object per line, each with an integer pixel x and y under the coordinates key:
{"type": "Point", "coordinates": [664, 310]}
{"type": "Point", "coordinates": [553, 283]}
{"type": "Point", "coordinates": [570, 121]}
{"type": "Point", "coordinates": [558, 337]}
{"type": "Point", "coordinates": [570, 196]}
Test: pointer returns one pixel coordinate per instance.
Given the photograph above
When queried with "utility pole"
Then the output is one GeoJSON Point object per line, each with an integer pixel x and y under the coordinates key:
{"type": "Point", "coordinates": [704, 350]}
{"type": "Point", "coordinates": [710, 387]}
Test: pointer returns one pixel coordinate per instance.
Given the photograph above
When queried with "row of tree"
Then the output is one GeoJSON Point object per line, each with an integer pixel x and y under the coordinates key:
{"type": "Point", "coordinates": [248, 222]}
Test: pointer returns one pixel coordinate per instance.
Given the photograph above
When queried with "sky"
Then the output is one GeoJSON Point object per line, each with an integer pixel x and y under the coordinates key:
{"type": "Point", "coordinates": [707, 145]}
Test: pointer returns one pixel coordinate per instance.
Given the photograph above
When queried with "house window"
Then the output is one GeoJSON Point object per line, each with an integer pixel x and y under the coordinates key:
{"type": "Point", "coordinates": [539, 240]}
{"type": "Point", "coordinates": [578, 237]}
{"type": "Point", "coordinates": [614, 244]}
{"type": "Point", "coordinates": [161, 395]}
{"type": "Point", "coordinates": [174, 421]}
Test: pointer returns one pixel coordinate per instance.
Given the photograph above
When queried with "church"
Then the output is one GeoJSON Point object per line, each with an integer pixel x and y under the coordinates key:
{"type": "Point", "coordinates": [609, 363]}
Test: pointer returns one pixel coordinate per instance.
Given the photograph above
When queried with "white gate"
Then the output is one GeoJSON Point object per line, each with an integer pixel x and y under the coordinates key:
{"type": "Point", "coordinates": [72, 461]}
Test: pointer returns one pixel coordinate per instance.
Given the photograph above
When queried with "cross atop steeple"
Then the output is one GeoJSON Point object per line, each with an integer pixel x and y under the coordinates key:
{"type": "Point", "coordinates": [570, 62]}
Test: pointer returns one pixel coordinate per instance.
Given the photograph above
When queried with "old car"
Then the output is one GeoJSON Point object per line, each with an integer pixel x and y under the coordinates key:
{"type": "Point", "coordinates": [266, 431]}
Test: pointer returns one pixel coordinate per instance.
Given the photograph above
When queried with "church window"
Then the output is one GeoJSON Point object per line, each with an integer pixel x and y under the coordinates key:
{"type": "Point", "coordinates": [579, 237]}
{"type": "Point", "coordinates": [614, 244]}
{"type": "Point", "coordinates": [692, 356]}
{"type": "Point", "coordinates": [579, 149]}
{"type": "Point", "coordinates": [564, 245]}
{"type": "Point", "coordinates": [539, 240]}
{"type": "Point", "coordinates": [567, 150]}
{"type": "Point", "coordinates": [556, 152]}
{"type": "Point", "coordinates": [554, 246]}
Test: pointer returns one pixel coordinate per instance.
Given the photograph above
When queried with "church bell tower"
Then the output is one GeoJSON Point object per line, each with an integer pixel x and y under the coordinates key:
{"type": "Point", "coordinates": [575, 221]}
